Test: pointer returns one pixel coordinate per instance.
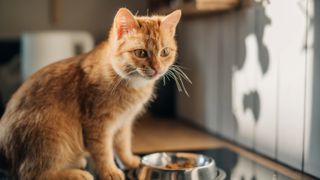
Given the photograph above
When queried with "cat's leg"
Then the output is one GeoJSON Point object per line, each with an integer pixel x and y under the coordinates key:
{"type": "Point", "coordinates": [47, 153]}
{"type": "Point", "coordinates": [54, 169]}
{"type": "Point", "coordinates": [99, 143]}
{"type": "Point", "coordinates": [81, 162]}
{"type": "Point", "coordinates": [123, 144]}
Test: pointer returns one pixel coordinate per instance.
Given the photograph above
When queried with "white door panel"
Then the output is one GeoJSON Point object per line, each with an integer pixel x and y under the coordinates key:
{"type": "Point", "coordinates": [291, 30]}
{"type": "Point", "coordinates": [312, 120]}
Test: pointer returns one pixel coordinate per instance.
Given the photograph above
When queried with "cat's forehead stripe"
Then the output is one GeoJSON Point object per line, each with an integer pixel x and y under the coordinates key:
{"type": "Point", "coordinates": [151, 30]}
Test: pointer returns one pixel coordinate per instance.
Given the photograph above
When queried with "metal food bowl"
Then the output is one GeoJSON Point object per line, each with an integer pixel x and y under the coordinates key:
{"type": "Point", "coordinates": [178, 166]}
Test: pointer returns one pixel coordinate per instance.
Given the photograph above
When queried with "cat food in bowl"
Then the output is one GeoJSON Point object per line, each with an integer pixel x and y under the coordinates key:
{"type": "Point", "coordinates": [178, 166]}
{"type": "Point", "coordinates": [181, 165]}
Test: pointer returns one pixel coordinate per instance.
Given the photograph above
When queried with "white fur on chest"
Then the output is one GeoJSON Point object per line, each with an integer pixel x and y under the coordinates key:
{"type": "Point", "coordinates": [133, 108]}
{"type": "Point", "coordinates": [138, 82]}
{"type": "Point", "coordinates": [128, 116]}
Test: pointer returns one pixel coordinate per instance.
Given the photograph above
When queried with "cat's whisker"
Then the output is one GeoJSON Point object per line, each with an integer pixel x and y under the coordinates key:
{"type": "Point", "coordinates": [171, 74]}
{"type": "Point", "coordinates": [181, 74]}
{"type": "Point", "coordinates": [182, 84]}
{"type": "Point", "coordinates": [184, 75]}
{"type": "Point", "coordinates": [177, 82]}
{"type": "Point", "coordinates": [181, 81]}
{"type": "Point", "coordinates": [117, 83]}
{"type": "Point", "coordinates": [114, 87]}
{"type": "Point", "coordinates": [179, 66]}
{"type": "Point", "coordinates": [180, 71]}
{"type": "Point", "coordinates": [143, 69]}
{"type": "Point", "coordinates": [131, 72]}
{"type": "Point", "coordinates": [177, 77]}
{"type": "Point", "coordinates": [164, 80]}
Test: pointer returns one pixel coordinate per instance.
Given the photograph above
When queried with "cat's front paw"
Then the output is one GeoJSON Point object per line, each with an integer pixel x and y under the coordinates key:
{"type": "Point", "coordinates": [113, 174]}
{"type": "Point", "coordinates": [132, 161]}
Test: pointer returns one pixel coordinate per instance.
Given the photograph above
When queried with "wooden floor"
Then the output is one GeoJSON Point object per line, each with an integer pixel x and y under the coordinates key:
{"type": "Point", "coordinates": [152, 134]}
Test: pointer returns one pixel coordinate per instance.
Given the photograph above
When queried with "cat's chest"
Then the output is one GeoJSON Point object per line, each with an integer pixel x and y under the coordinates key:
{"type": "Point", "coordinates": [128, 114]}
{"type": "Point", "coordinates": [123, 101]}
{"type": "Point", "coordinates": [127, 107]}
{"type": "Point", "coordinates": [131, 99]}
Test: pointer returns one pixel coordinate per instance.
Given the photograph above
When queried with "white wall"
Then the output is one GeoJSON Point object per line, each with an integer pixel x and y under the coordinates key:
{"type": "Point", "coordinates": [267, 87]}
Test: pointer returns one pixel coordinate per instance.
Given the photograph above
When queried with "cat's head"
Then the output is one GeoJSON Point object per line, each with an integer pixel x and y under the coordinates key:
{"type": "Point", "coordinates": [143, 47]}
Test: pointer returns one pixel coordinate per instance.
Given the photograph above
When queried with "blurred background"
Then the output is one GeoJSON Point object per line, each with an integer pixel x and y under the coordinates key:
{"type": "Point", "coordinates": [254, 64]}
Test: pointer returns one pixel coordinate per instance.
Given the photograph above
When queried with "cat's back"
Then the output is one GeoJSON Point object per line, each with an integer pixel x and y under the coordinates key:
{"type": "Point", "coordinates": [41, 113]}
{"type": "Point", "coordinates": [55, 83]}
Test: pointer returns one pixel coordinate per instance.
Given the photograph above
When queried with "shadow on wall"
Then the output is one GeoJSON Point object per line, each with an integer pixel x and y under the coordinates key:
{"type": "Point", "coordinates": [258, 31]}
{"type": "Point", "coordinates": [251, 99]}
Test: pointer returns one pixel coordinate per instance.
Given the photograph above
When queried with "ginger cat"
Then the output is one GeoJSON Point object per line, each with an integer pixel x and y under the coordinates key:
{"type": "Point", "coordinates": [87, 104]}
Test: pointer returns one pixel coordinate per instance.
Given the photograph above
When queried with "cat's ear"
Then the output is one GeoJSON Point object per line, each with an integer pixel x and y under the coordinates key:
{"type": "Point", "coordinates": [170, 22]}
{"type": "Point", "coordinates": [124, 22]}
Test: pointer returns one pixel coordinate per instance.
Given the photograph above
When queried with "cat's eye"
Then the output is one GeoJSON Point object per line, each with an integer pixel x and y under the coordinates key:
{"type": "Point", "coordinates": [140, 53]}
{"type": "Point", "coordinates": [165, 52]}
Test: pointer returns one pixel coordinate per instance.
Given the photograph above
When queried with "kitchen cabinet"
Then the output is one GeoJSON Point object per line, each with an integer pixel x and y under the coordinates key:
{"type": "Point", "coordinates": [201, 62]}
{"type": "Point", "coordinates": [268, 60]}
{"type": "Point", "coordinates": [227, 59]}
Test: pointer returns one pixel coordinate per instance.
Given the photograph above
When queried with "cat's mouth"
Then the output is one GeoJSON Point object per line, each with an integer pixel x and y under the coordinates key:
{"type": "Point", "coordinates": [146, 74]}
